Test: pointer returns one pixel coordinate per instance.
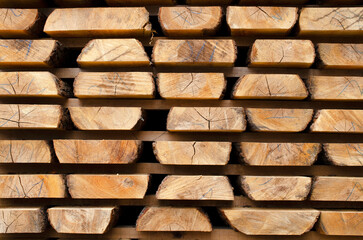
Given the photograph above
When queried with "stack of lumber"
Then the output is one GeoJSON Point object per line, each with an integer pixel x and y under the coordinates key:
{"type": "Point", "coordinates": [168, 119]}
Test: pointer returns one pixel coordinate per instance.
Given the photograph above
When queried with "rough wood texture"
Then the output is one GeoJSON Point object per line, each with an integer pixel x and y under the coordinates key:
{"type": "Point", "coordinates": [337, 189]}
{"type": "Point", "coordinates": [282, 53]}
{"type": "Point", "coordinates": [349, 154]}
{"type": "Point", "coordinates": [209, 2]}
{"type": "Point", "coordinates": [19, 23]}
{"type": "Point", "coordinates": [107, 118]}
{"type": "Point", "coordinates": [340, 223]}
{"type": "Point", "coordinates": [340, 55]}
{"type": "Point", "coordinates": [114, 85]}
{"type": "Point", "coordinates": [173, 219]}
{"type": "Point", "coordinates": [25, 151]}
{"type": "Point", "coordinates": [259, 221]}
{"type": "Point", "coordinates": [190, 21]}
{"type": "Point", "coordinates": [82, 220]}
{"type": "Point", "coordinates": [30, 116]}
{"type": "Point", "coordinates": [336, 120]}
{"type": "Point", "coordinates": [191, 85]}
{"type": "Point", "coordinates": [271, 188]}
{"type": "Point", "coordinates": [261, 20]}
{"type": "Point", "coordinates": [192, 153]}
{"type": "Point", "coordinates": [113, 53]}
{"type": "Point", "coordinates": [32, 186]}
{"type": "Point", "coordinates": [270, 86]}
{"type": "Point", "coordinates": [278, 119]}
{"type": "Point", "coordinates": [271, 2]}
{"type": "Point", "coordinates": [31, 84]}
{"type": "Point", "coordinates": [217, 53]}
{"type": "Point", "coordinates": [177, 187]}
{"type": "Point", "coordinates": [206, 119]}
{"type": "Point", "coordinates": [139, 2]}
{"type": "Point", "coordinates": [22, 220]}
{"type": "Point", "coordinates": [108, 186]}
{"type": "Point", "coordinates": [29, 53]}
{"type": "Point", "coordinates": [98, 22]}
{"type": "Point", "coordinates": [331, 21]}
{"type": "Point", "coordinates": [336, 88]}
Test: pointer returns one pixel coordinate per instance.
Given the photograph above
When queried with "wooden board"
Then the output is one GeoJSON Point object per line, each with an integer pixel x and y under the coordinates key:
{"type": "Point", "coordinates": [338, 120]}
{"type": "Point", "coordinates": [278, 119]}
{"type": "Point", "coordinates": [349, 154]}
{"type": "Point", "coordinates": [114, 85]}
{"type": "Point", "coordinates": [206, 119]}
{"type": "Point", "coordinates": [192, 153]}
{"type": "Point", "coordinates": [331, 21]}
{"type": "Point", "coordinates": [209, 2]}
{"type": "Point", "coordinates": [25, 151]}
{"type": "Point", "coordinates": [107, 118]}
{"type": "Point", "coordinates": [107, 186]}
{"type": "Point", "coordinates": [279, 154]}
{"type": "Point", "coordinates": [336, 88]}
{"type": "Point", "coordinates": [173, 219]}
{"type": "Point", "coordinates": [261, 20]}
{"type": "Point", "coordinates": [76, 3]}
{"type": "Point", "coordinates": [340, 55]}
{"type": "Point", "coordinates": [98, 22]}
{"type": "Point", "coordinates": [282, 53]}
{"type": "Point", "coordinates": [340, 223]}
{"type": "Point", "coordinates": [272, 188]}
{"type": "Point", "coordinates": [260, 221]}
{"type": "Point", "coordinates": [182, 187]}
{"type": "Point", "coordinates": [271, 2]}
{"type": "Point", "coordinates": [82, 220]}
{"type": "Point", "coordinates": [97, 151]}
{"type": "Point", "coordinates": [22, 220]}
{"type": "Point", "coordinates": [32, 186]}
{"type": "Point", "coordinates": [113, 53]}
{"type": "Point", "coordinates": [270, 86]}
{"type": "Point", "coordinates": [191, 85]}
{"type": "Point", "coordinates": [216, 53]}
{"type": "Point", "coordinates": [337, 189]}
{"type": "Point", "coordinates": [139, 2]}
{"type": "Point", "coordinates": [189, 21]}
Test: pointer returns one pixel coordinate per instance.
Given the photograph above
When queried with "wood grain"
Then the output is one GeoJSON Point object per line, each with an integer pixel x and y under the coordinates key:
{"type": "Point", "coordinates": [343, 223]}
{"type": "Point", "coordinates": [22, 220]}
{"type": "Point", "coordinates": [349, 154]}
{"type": "Point", "coordinates": [20, 23]}
{"type": "Point", "coordinates": [25, 151]}
{"type": "Point", "coordinates": [340, 55]}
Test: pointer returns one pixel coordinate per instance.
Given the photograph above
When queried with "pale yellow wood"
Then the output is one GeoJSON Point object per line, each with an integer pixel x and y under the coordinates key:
{"type": "Point", "coordinates": [98, 22]}
{"type": "Point", "coordinates": [344, 154]}
{"type": "Point", "coordinates": [270, 86]}
{"type": "Point", "coordinates": [107, 118]}
{"type": "Point", "coordinates": [107, 186]}
{"type": "Point", "coordinates": [173, 219]}
{"type": "Point", "coordinates": [271, 2]}
{"type": "Point", "coordinates": [82, 220]}
{"type": "Point", "coordinates": [282, 53]}
{"type": "Point", "coordinates": [179, 187]}
{"type": "Point", "coordinates": [114, 85]}
{"type": "Point", "coordinates": [218, 53]}
{"type": "Point", "coordinates": [333, 222]}
{"type": "Point", "coordinates": [278, 119]}
{"type": "Point", "coordinates": [336, 88]}
{"type": "Point", "coordinates": [25, 151]}
{"type": "Point", "coordinates": [32, 186]}
{"type": "Point", "coordinates": [273, 188]}
{"type": "Point", "coordinates": [113, 53]}
{"type": "Point", "coordinates": [261, 20]}
{"type": "Point", "coordinates": [19, 23]}
{"type": "Point", "coordinates": [279, 154]}
{"type": "Point", "coordinates": [182, 21]}
{"type": "Point", "coordinates": [338, 120]}
{"type": "Point", "coordinates": [191, 85]}
{"type": "Point", "coordinates": [341, 55]}
{"type": "Point", "coordinates": [139, 2]}
{"type": "Point", "coordinates": [22, 220]}
{"type": "Point", "coordinates": [337, 189]}
{"type": "Point", "coordinates": [208, 2]}
{"type": "Point", "coordinates": [97, 151]}
{"type": "Point", "coordinates": [260, 221]}
{"type": "Point", "coordinates": [331, 21]}
{"type": "Point", "coordinates": [206, 119]}
{"type": "Point", "coordinates": [192, 153]}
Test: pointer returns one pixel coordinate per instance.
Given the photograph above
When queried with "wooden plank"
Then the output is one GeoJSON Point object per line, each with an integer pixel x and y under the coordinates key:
{"type": "Point", "coordinates": [261, 20]}
{"type": "Point", "coordinates": [179, 187]}
{"type": "Point", "coordinates": [97, 151]}
{"type": "Point", "coordinates": [348, 154]}
{"type": "Point", "coordinates": [139, 2]}
{"type": "Point", "coordinates": [173, 219]}
{"type": "Point", "coordinates": [272, 2]}
{"type": "Point", "coordinates": [107, 186]}
{"type": "Point", "coordinates": [282, 53]}
{"type": "Point", "coordinates": [25, 151]}
{"type": "Point", "coordinates": [340, 56]}
{"type": "Point", "coordinates": [192, 153]}
{"type": "Point", "coordinates": [347, 223]}
{"type": "Point", "coordinates": [279, 120]}
{"type": "Point", "coordinates": [76, 3]}
{"type": "Point", "coordinates": [210, 2]}
{"type": "Point", "coordinates": [22, 220]}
